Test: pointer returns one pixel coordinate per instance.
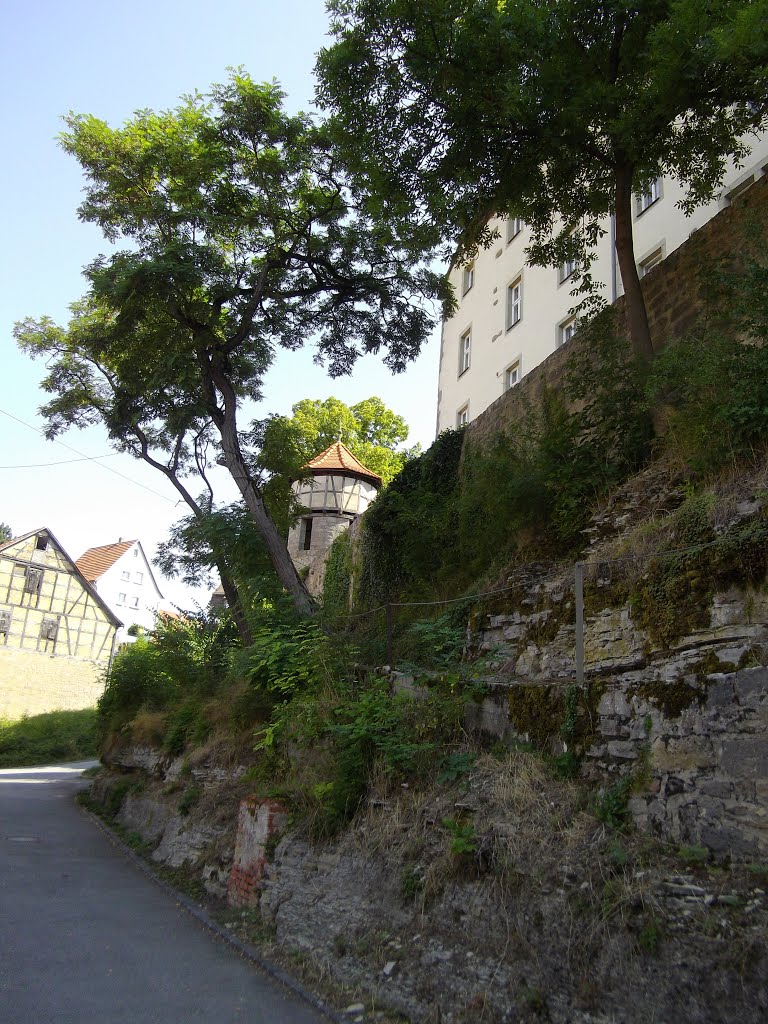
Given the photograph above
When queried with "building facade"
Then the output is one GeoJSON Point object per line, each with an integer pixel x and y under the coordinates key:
{"type": "Point", "coordinates": [511, 316]}
{"type": "Point", "coordinates": [57, 635]}
{"type": "Point", "coordinates": [334, 489]}
{"type": "Point", "coordinates": [123, 578]}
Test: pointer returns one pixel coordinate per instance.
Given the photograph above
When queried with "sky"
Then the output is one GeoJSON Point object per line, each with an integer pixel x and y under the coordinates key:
{"type": "Point", "coordinates": [109, 60]}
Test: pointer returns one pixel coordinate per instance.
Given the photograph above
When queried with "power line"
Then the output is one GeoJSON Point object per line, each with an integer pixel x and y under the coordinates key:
{"type": "Point", "coordinates": [64, 462]}
{"type": "Point", "coordinates": [90, 458]}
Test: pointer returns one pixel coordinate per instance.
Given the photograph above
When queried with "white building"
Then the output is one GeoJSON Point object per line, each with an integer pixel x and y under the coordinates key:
{"type": "Point", "coordinates": [511, 316]}
{"type": "Point", "coordinates": [121, 575]}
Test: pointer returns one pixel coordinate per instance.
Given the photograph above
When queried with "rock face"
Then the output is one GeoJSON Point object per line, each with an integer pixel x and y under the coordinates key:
{"type": "Point", "coordinates": [687, 720]}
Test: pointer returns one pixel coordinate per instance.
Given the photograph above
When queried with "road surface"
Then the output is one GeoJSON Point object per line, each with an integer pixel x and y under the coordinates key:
{"type": "Point", "coordinates": [86, 938]}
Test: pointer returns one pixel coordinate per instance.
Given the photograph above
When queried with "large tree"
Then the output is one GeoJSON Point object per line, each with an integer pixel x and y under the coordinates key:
{"type": "Point", "coordinates": [145, 417]}
{"type": "Point", "coordinates": [552, 110]}
{"type": "Point", "coordinates": [241, 237]}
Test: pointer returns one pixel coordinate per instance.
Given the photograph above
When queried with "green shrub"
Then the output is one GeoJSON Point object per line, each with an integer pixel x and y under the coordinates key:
{"type": "Point", "coordinates": [47, 738]}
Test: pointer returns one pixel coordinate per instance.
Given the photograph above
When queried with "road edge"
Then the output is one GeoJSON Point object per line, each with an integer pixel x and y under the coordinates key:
{"type": "Point", "coordinates": [245, 949]}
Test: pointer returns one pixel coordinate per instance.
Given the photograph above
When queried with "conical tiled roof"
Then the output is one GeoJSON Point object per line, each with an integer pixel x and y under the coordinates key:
{"type": "Point", "coordinates": [337, 458]}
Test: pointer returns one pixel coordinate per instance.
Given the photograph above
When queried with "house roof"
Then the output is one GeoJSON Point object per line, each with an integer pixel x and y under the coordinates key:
{"type": "Point", "coordinates": [87, 584]}
{"type": "Point", "coordinates": [338, 458]}
{"type": "Point", "coordinates": [95, 561]}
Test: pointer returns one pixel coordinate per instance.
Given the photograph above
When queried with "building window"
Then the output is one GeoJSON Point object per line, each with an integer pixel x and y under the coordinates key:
{"type": "Point", "coordinates": [514, 303]}
{"type": "Point", "coordinates": [5, 623]}
{"type": "Point", "coordinates": [651, 195]}
{"type": "Point", "coordinates": [568, 269]}
{"type": "Point", "coordinates": [138, 577]}
{"type": "Point", "coordinates": [125, 575]}
{"type": "Point", "coordinates": [566, 331]}
{"type": "Point", "coordinates": [41, 544]}
{"type": "Point", "coordinates": [467, 278]}
{"type": "Point", "coordinates": [134, 602]}
{"type": "Point", "coordinates": [33, 580]}
{"type": "Point", "coordinates": [651, 261]}
{"type": "Point", "coordinates": [121, 598]}
{"type": "Point", "coordinates": [462, 417]}
{"type": "Point", "coordinates": [511, 376]}
{"type": "Point", "coordinates": [465, 345]}
{"type": "Point", "coordinates": [135, 552]}
{"type": "Point", "coordinates": [514, 227]}
{"type": "Point", "coordinates": [49, 628]}
{"type": "Point", "coordinates": [305, 535]}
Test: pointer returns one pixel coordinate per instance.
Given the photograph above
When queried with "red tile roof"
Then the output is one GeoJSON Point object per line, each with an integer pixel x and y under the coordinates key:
{"type": "Point", "coordinates": [95, 561]}
{"type": "Point", "coordinates": [338, 458]}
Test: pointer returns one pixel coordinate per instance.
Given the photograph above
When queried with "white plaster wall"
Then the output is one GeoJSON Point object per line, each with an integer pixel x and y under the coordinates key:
{"type": "Point", "coordinates": [111, 584]}
{"type": "Point", "coordinates": [547, 301]}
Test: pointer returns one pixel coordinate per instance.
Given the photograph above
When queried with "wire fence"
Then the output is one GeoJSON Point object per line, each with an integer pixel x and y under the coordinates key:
{"type": "Point", "coordinates": [599, 569]}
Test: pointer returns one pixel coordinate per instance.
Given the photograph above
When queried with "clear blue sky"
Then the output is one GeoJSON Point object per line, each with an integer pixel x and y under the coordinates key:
{"type": "Point", "coordinates": [109, 60]}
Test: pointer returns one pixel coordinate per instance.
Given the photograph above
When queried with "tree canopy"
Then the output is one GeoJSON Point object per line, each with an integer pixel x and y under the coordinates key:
{"type": "Point", "coordinates": [371, 431]}
{"type": "Point", "coordinates": [552, 110]}
{"type": "Point", "coordinates": [240, 237]}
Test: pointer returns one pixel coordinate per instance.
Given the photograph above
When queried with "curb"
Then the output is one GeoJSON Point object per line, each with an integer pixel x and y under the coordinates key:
{"type": "Point", "coordinates": [245, 949]}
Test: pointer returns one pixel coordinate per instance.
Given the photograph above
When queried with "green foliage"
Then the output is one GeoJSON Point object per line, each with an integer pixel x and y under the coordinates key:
{"type": "Point", "coordinates": [186, 725]}
{"type": "Point", "coordinates": [612, 808]}
{"type": "Point", "coordinates": [461, 510]}
{"type": "Point", "coordinates": [233, 233]}
{"type": "Point", "coordinates": [371, 431]}
{"type": "Point", "coordinates": [463, 836]}
{"type": "Point", "coordinates": [432, 643]}
{"type": "Point", "coordinates": [650, 935]}
{"type": "Point", "coordinates": [411, 883]}
{"type": "Point", "coordinates": [182, 657]}
{"type": "Point", "coordinates": [190, 798]}
{"type": "Point", "coordinates": [695, 856]}
{"type": "Point", "coordinates": [338, 577]}
{"type": "Point", "coordinates": [48, 738]}
{"type": "Point", "coordinates": [672, 598]}
{"type": "Point", "coordinates": [454, 766]}
{"type": "Point", "coordinates": [409, 534]}
{"type": "Point", "coordinates": [288, 657]}
{"type": "Point", "coordinates": [450, 110]}
{"type": "Point", "coordinates": [717, 389]}
{"type": "Point", "coordinates": [5, 532]}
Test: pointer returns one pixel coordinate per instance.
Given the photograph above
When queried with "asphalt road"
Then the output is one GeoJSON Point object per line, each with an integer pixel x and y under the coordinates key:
{"type": "Point", "coordinates": [86, 937]}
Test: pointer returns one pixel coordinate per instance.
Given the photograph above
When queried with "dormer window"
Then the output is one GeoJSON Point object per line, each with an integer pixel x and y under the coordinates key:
{"type": "Point", "coordinates": [41, 543]}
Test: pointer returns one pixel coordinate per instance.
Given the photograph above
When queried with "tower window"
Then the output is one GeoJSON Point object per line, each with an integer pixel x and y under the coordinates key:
{"type": "Point", "coordinates": [305, 537]}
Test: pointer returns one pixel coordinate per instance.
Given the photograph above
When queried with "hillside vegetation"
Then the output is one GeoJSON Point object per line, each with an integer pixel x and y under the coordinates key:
{"type": "Point", "coordinates": [517, 853]}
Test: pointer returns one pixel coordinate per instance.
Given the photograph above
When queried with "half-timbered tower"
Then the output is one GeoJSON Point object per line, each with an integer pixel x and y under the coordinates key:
{"type": "Point", "coordinates": [333, 490]}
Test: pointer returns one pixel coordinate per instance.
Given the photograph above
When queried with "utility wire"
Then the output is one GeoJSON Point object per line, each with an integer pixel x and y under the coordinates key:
{"type": "Point", "coordinates": [91, 458]}
{"type": "Point", "coordinates": [64, 462]}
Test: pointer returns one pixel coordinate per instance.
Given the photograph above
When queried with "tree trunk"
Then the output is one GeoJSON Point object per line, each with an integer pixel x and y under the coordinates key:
{"type": "Point", "coordinates": [226, 422]}
{"type": "Point", "coordinates": [637, 315]}
{"type": "Point", "coordinates": [230, 588]}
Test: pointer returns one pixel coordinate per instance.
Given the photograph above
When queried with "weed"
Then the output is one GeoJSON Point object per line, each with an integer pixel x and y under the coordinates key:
{"type": "Point", "coordinates": [411, 882]}
{"type": "Point", "coordinates": [651, 935]}
{"type": "Point", "coordinates": [463, 837]}
{"type": "Point", "coordinates": [454, 766]}
{"type": "Point", "coordinates": [696, 856]}
{"type": "Point", "coordinates": [613, 805]}
{"type": "Point", "coordinates": [190, 799]}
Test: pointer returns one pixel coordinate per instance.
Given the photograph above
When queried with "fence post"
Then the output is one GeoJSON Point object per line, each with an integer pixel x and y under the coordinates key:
{"type": "Point", "coordinates": [390, 635]}
{"type": "Point", "coordinates": [579, 589]}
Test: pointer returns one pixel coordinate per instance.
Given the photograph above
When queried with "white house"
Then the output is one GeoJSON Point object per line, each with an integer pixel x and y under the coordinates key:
{"type": "Point", "coordinates": [121, 575]}
{"type": "Point", "coordinates": [512, 316]}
